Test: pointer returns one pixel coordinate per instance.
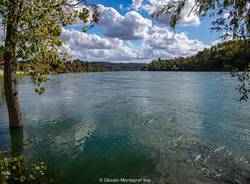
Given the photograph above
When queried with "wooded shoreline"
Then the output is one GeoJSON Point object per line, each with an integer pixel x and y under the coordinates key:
{"type": "Point", "coordinates": [223, 57]}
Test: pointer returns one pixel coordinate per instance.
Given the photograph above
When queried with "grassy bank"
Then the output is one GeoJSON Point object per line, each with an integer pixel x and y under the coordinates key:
{"type": "Point", "coordinates": [18, 75]}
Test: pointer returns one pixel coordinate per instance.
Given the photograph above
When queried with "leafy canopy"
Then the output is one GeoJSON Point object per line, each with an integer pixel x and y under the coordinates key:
{"type": "Point", "coordinates": [16, 170]}
{"type": "Point", "coordinates": [39, 27]}
{"type": "Point", "coordinates": [231, 16]}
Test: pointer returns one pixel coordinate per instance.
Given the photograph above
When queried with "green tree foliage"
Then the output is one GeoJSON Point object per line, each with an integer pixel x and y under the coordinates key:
{"type": "Point", "coordinates": [237, 22]}
{"type": "Point", "coordinates": [78, 66]}
{"type": "Point", "coordinates": [230, 16]}
{"type": "Point", "coordinates": [16, 170]}
{"type": "Point", "coordinates": [233, 56]}
{"type": "Point", "coordinates": [222, 57]}
{"type": "Point", "coordinates": [39, 24]}
{"type": "Point", "coordinates": [32, 31]}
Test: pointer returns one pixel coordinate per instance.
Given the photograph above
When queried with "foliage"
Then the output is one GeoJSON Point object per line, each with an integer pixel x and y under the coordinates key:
{"type": "Point", "coordinates": [231, 16]}
{"type": "Point", "coordinates": [39, 24]}
{"type": "Point", "coordinates": [222, 57]}
{"type": "Point", "coordinates": [233, 56]}
{"type": "Point", "coordinates": [15, 170]}
{"type": "Point", "coordinates": [83, 66]}
{"type": "Point", "coordinates": [243, 86]}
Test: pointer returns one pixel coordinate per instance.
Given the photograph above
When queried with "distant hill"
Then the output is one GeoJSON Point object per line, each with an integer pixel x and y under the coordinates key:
{"type": "Point", "coordinates": [83, 66]}
{"type": "Point", "coordinates": [78, 66]}
{"type": "Point", "coordinates": [222, 57]}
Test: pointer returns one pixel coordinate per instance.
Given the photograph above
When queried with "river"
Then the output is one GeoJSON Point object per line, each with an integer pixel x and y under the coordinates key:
{"type": "Point", "coordinates": [164, 127]}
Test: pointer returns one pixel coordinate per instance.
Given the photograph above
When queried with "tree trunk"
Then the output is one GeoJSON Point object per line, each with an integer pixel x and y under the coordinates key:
{"type": "Point", "coordinates": [16, 139]}
{"type": "Point", "coordinates": [10, 61]}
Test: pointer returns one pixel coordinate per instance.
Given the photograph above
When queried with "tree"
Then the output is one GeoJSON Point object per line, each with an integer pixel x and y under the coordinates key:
{"type": "Point", "coordinates": [32, 30]}
{"type": "Point", "coordinates": [222, 57]}
{"type": "Point", "coordinates": [231, 16]}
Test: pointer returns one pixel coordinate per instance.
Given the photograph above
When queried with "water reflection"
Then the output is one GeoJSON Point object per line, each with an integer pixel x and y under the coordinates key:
{"type": "Point", "coordinates": [71, 140]}
{"type": "Point", "coordinates": [16, 137]}
{"type": "Point", "coordinates": [172, 127]}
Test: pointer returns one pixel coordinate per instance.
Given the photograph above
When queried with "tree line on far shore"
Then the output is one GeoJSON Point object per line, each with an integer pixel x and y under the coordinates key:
{"type": "Point", "coordinates": [76, 66]}
{"type": "Point", "coordinates": [221, 57]}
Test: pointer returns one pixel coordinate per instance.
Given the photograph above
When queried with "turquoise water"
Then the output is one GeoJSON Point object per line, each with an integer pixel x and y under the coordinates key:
{"type": "Point", "coordinates": [166, 127]}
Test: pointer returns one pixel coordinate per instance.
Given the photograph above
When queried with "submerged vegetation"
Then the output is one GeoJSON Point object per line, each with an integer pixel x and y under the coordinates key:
{"type": "Point", "coordinates": [33, 30]}
{"type": "Point", "coordinates": [16, 170]}
{"type": "Point", "coordinates": [222, 57]}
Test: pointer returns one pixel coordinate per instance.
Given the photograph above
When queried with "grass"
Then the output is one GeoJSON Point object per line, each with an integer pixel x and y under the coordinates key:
{"type": "Point", "coordinates": [18, 75]}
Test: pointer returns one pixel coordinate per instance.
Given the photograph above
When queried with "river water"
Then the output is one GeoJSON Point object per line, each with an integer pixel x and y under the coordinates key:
{"type": "Point", "coordinates": [163, 127]}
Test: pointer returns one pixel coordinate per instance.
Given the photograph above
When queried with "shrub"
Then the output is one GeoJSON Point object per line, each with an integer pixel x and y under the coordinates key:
{"type": "Point", "coordinates": [14, 170]}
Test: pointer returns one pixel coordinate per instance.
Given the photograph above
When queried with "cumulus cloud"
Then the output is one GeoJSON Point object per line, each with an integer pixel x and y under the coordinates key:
{"type": "Point", "coordinates": [176, 44]}
{"type": "Point", "coordinates": [160, 42]}
{"type": "Point", "coordinates": [128, 38]}
{"type": "Point", "coordinates": [92, 47]}
{"type": "Point", "coordinates": [89, 41]}
{"type": "Point", "coordinates": [136, 4]}
{"type": "Point", "coordinates": [187, 18]}
{"type": "Point", "coordinates": [131, 26]}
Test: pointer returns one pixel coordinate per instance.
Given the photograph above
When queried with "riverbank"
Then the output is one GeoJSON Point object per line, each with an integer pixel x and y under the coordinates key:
{"type": "Point", "coordinates": [1, 75]}
{"type": "Point", "coordinates": [222, 57]}
{"type": "Point", "coordinates": [18, 74]}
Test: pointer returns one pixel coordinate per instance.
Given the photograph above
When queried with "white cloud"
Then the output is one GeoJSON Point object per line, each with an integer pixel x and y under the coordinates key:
{"type": "Point", "coordinates": [175, 44]}
{"type": "Point", "coordinates": [188, 17]}
{"type": "Point", "coordinates": [92, 47]}
{"type": "Point", "coordinates": [159, 42]}
{"type": "Point", "coordinates": [136, 4]}
{"type": "Point", "coordinates": [128, 38]}
{"type": "Point", "coordinates": [131, 26]}
{"type": "Point", "coordinates": [228, 36]}
{"type": "Point", "coordinates": [91, 41]}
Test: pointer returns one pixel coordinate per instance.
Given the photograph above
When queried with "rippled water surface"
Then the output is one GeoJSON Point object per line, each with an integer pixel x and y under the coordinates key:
{"type": "Point", "coordinates": [165, 126]}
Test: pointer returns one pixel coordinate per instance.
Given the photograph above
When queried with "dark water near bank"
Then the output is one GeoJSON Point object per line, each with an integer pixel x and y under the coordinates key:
{"type": "Point", "coordinates": [165, 126]}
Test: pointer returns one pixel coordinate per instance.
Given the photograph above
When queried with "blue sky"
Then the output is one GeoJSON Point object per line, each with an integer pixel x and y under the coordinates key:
{"type": "Point", "coordinates": [201, 32]}
{"type": "Point", "coordinates": [127, 33]}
